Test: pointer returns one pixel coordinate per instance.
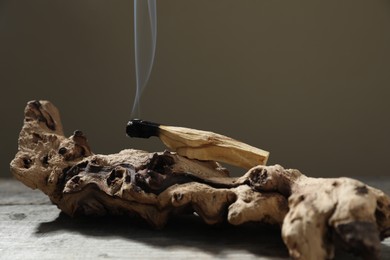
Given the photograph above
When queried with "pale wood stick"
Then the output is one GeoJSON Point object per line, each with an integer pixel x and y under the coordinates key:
{"type": "Point", "coordinates": [200, 145]}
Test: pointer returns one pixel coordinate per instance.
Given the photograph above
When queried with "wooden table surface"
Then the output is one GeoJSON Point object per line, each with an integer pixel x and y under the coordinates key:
{"type": "Point", "coordinates": [32, 228]}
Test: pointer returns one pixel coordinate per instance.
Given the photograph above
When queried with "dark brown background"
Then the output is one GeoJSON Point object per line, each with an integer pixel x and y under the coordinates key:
{"type": "Point", "coordinates": [306, 80]}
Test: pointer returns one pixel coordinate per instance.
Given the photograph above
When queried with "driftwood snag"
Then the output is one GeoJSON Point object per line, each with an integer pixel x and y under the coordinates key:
{"type": "Point", "coordinates": [314, 214]}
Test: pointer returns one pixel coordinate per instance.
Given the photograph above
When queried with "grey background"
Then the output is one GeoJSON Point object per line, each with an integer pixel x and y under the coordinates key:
{"type": "Point", "coordinates": [306, 80]}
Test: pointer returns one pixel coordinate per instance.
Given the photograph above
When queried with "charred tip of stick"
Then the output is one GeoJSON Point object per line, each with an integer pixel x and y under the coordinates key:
{"type": "Point", "coordinates": [142, 129]}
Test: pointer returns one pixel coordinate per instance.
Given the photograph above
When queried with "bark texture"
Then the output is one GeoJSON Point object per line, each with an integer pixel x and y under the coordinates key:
{"type": "Point", "coordinates": [314, 214]}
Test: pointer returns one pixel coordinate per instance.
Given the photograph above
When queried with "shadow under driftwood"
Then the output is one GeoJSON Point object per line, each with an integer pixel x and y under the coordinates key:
{"type": "Point", "coordinates": [186, 232]}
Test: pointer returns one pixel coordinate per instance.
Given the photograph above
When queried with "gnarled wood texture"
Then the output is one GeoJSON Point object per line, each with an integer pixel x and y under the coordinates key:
{"type": "Point", "coordinates": [314, 214]}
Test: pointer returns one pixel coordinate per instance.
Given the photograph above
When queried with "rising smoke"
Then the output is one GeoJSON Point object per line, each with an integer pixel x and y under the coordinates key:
{"type": "Point", "coordinates": [145, 34]}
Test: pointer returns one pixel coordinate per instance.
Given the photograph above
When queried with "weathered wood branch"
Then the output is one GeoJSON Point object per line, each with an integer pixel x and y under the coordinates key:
{"type": "Point", "coordinates": [314, 214]}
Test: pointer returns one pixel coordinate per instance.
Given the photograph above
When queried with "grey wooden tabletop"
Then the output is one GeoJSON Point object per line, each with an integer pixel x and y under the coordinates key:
{"type": "Point", "coordinates": [32, 228]}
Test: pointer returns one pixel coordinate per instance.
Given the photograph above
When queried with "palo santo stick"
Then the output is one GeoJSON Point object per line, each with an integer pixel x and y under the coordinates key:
{"type": "Point", "coordinates": [201, 145]}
